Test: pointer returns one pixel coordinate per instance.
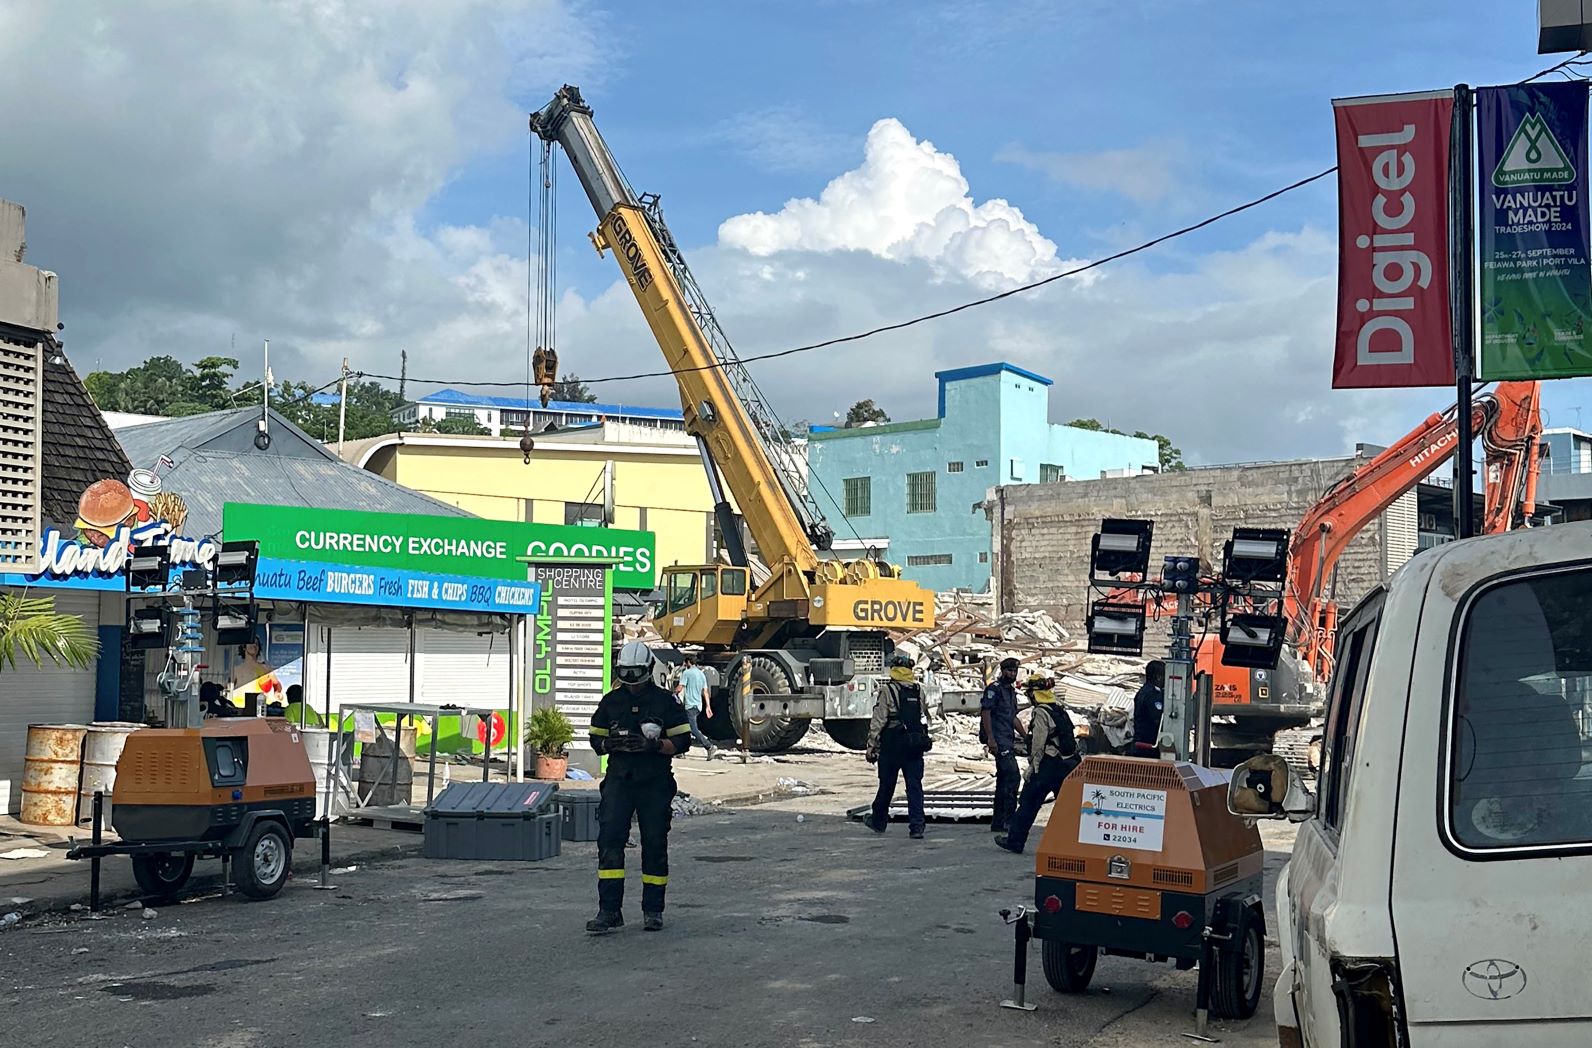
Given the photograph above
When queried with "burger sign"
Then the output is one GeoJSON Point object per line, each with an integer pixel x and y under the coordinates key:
{"type": "Point", "coordinates": [114, 518]}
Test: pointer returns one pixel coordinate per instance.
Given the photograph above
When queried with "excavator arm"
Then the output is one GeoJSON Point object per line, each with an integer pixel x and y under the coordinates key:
{"type": "Point", "coordinates": [1509, 422]}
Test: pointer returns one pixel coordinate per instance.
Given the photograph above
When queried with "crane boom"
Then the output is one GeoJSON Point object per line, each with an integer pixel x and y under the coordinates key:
{"type": "Point", "coordinates": [737, 431]}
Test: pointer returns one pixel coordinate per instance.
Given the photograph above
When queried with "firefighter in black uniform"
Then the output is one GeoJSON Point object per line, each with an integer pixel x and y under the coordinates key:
{"type": "Point", "coordinates": [641, 728]}
{"type": "Point", "coordinates": [897, 740]}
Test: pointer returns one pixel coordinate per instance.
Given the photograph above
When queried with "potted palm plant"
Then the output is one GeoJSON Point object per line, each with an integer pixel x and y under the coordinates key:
{"type": "Point", "coordinates": [550, 733]}
{"type": "Point", "coordinates": [32, 628]}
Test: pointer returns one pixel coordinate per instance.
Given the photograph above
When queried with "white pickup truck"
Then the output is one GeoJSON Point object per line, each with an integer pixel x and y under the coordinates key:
{"type": "Point", "coordinates": [1440, 890]}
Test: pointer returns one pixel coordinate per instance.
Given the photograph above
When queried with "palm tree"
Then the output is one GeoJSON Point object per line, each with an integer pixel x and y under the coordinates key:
{"type": "Point", "coordinates": [32, 627]}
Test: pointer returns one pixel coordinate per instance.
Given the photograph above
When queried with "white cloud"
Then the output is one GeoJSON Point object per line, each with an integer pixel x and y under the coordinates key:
{"type": "Point", "coordinates": [195, 170]}
{"type": "Point", "coordinates": [1144, 174]}
{"type": "Point", "coordinates": [907, 201]}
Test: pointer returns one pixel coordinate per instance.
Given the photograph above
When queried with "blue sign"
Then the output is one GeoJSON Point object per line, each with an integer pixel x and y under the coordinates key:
{"type": "Point", "coordinates": [392, 587]}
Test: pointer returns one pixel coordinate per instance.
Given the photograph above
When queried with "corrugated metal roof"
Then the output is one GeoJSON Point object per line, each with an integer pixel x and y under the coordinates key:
{"type": "Point", "coordinates": [482, 400]}
{"type": "Point", "coordinates": [145, 444]}
{"type": "Point", "coordinates": [299, 471]}
{"type": "Point", "coordinates": [207, 481]}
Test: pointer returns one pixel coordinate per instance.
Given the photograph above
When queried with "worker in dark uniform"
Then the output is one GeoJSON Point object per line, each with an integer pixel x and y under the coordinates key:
{"type": "Point", "coordinates": [641, 728]}
{"type": "Point", "coordinates": [999, 732]}
{"type": "Point", "coordinates": [1052, 756]}
{"type": "Point", "coordinates": [1147, 706]}
{"type": "Point", "coordinates": [898, 737]}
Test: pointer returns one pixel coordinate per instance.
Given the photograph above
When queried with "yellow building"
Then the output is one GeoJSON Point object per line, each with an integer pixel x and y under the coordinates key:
{"type": "Point", "coordinates": [632, 476]}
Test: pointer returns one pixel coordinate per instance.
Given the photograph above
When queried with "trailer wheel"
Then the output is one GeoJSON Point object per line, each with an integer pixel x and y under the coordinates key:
{"type": "Point", "coordinates": [264, 861]}
{"type": "Point", "coordinates": [161, 874]}
{"type": "Point", "coordinates": [851, 733]}
{"type": "Point", "coordinates": [768, 733]}
{"type": "Point", "coordinates": [1236, 982]}
{"type": "Point", "coordinates": [1068, 968]}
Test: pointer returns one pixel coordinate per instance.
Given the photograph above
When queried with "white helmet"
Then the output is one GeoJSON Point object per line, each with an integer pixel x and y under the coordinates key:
{"type": "Point", "coordinates": [635, 663]}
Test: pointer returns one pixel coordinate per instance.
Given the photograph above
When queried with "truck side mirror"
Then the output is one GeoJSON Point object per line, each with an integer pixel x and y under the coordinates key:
{"type": "Point", "coordinates": [1265, 787]}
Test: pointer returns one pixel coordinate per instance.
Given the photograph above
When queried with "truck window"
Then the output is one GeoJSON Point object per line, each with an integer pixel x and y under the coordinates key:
{"type": "Point", "coordinates": [734, 580]}
{"type": "Point", "coordinates": [1343, 720]}
{"type": "Point", "coordinates": [1518, 775]}
{"type": "Point", "coordinates": [710, 584]}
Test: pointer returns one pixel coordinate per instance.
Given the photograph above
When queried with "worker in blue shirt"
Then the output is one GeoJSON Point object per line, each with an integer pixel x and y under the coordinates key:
{"type": "Point", "coordinates": [697, 702]}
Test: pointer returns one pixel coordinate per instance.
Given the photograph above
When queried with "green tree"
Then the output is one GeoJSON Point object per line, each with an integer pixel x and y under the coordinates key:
{"type": "Point", "coordinates": [161, 385]}
{"type": "Point", "coordinates": [570, 389]}
{"type": "Point", "coordinates": [369, 414]}
{"type": "Point", "coordinates": [864, 411]}
{"type": "Point", "coordinates": [32, 628]}
{"type": "Point", "coordinates": [462, 427]}
{"type": "Point", "coordinates": [1171, 457]}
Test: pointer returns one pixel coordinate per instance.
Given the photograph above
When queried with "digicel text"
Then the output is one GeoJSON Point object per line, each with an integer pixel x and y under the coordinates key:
{"type": "Point", "coordinates": [1396, 264]}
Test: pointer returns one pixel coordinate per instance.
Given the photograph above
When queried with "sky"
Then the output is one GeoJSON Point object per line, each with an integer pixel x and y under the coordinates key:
{"type": "Point", "coordinates": [355, 179]}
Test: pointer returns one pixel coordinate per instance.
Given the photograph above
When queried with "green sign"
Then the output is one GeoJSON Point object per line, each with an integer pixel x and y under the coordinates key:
{"type": "Point", "coordinates": [492, 549]}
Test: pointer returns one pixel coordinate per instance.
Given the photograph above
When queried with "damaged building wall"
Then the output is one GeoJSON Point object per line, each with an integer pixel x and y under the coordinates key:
{"type": "Point", "coordinates": [1040, 532]}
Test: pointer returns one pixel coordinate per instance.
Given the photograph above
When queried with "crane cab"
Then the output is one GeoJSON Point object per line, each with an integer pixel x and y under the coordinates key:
{"type": "Point", "coordinates": [702, 604]}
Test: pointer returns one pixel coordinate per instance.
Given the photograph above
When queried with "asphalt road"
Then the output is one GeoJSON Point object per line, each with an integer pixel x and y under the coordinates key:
{"type": "Point", "coordinates": [780, 933]}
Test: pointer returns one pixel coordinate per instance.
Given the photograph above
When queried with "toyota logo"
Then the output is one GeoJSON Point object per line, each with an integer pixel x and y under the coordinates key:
{"type": "Point", "coordinates": [1495, 979]}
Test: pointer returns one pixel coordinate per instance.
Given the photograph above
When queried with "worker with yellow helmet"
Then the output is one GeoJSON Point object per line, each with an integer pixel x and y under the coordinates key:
{"type": "Point", "coordinates": [1052, 755]}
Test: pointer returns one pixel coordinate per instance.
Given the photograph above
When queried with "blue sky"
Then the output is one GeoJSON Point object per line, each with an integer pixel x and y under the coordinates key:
{"type": "Point", "coordinates": [351, 179]}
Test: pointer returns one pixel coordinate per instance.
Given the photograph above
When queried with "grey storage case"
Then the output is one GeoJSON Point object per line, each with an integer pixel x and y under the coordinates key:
{"type": "Point", "coordinates": [494, 821]}
{"type": "Point", "coordinates": [578, 809]}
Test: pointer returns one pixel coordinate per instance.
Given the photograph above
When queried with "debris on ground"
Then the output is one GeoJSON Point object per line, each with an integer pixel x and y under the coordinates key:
{"type": "Point", "coordinates": [17, 900]}
{"type": "Point", "coordinates": [149, 915]}
{"type": "Point", "coordinates": [80, 949]}
{"type": "Point", "coordinates": [685, 804]}
{"type": "Point", "coordinates": [134, 905]}
{"type": "Point", "coordinates": [9, 919]}
{"type": "Point", "coordinates": [25, 853]}
{"type": "Point", "coordinates": [796, 787]}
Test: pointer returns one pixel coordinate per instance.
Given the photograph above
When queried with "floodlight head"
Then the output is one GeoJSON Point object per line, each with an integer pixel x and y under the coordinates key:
{"type": "Point", "coordinates": [1116, 629]}
{"type": "Point", "coordinates": [234, 622]}
{"type": "Point", "coordinates": [149, 628]}
{"type": "Point", "coordinates": [1252, 641]}
{"type": "Point", "coordinates": [235, 563]}
{"type": "Point", "coordinates": [149, 567]}
{"type": "Point", "coordinates": [1256, 555]}
{"type": "Point", "coordinates": [1121, 547]}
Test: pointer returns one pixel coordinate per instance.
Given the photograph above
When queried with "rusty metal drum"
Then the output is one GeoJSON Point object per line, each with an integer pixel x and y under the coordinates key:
{"type": "Point", "coordinates": [51, 767]}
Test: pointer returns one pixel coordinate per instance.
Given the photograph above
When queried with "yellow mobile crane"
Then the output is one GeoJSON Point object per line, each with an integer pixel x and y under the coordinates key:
{"type": "Point", "coordinates": [812, 635]}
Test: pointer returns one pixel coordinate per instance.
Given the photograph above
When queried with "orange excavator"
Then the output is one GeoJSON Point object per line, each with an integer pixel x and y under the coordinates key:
{"type": "Point", "coordinates": [1257, 704]}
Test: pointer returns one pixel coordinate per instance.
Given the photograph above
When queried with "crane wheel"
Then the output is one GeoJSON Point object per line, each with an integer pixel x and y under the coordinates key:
{"type": "Point", "coordinates": [769, 733]}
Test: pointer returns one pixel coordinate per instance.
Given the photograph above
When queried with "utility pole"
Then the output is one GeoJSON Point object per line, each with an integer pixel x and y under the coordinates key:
{"type": "Point", "coordinates": [403, 376]}
{"type": "Point", "coordinates": [342, 408]}
{"type": "Point", "coordinates": [1463, 235]}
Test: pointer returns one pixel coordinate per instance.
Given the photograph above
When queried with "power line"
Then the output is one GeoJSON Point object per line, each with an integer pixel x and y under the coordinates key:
{"type": "Point", "coordinates": [1573, 63]}
{"type": "Point", "coordinates": [925, 318]}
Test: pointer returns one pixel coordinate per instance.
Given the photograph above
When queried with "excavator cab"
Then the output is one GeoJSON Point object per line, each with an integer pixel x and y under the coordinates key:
{"type": "Point", "coordinates": [702, 604]}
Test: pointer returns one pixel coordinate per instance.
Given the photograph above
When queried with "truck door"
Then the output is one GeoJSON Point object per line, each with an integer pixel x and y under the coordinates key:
{"type": "Point", "coordinates": [1491, 891]}
{"type": "Point", "coordinates": [1315, 872]}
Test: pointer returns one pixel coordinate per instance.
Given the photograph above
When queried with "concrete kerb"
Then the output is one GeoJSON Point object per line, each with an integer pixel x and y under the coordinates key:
{"type": "Point", "coordinates": [60, 885]}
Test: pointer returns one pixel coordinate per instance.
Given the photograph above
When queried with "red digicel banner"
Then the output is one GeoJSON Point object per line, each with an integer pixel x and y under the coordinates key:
{"type": "Point", "coordinates": [1394, 325]}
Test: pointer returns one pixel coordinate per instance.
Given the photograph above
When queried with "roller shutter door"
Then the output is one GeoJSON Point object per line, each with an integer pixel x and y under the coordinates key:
{"type": "Point", "coordinates": [42, 695]}
{"type": "Point", "coordinates": [369, 664]}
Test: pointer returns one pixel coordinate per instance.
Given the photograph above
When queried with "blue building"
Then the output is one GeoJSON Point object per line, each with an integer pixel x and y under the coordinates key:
{"type": "Point", "coordinates": [915, 489]}
{"type": "Point", "coordinates": [510, 415]}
